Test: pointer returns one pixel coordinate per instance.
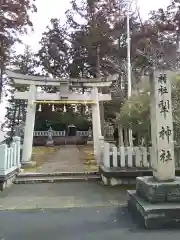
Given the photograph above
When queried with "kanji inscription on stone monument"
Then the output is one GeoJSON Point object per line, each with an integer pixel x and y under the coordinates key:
{"type": "Point", "coordinates": [162, 128]}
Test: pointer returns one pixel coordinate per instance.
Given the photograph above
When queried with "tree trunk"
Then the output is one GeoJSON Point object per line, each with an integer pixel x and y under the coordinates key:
{"type": "Point", "coordinates": [1, 79]}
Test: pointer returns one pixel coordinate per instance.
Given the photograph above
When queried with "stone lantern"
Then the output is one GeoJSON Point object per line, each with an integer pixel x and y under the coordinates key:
{"type": "Point", "coordinates": [50, 141]}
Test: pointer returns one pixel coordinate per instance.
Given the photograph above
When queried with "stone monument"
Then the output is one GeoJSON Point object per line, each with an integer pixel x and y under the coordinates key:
{"type": "Point", "coordinates": [157, 198]}
{"type": "Point", "coordinates": [50, 141]}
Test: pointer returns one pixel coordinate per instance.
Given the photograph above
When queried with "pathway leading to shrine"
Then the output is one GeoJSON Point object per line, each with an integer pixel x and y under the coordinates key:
{"type": "Point", "coordinates": [69, 158]}
{"type": "Point", "coordinates": [66, 159]}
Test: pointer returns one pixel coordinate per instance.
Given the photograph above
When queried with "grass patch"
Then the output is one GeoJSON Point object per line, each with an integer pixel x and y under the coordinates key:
{"type": "Point", "coordinates": [40, 155]}
{"type": "Point", "coordinates": [87, 158]}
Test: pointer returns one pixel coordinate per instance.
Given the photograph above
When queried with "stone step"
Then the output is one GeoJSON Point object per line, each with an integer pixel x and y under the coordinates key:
{"type": "Point", "coordinates": [55, 178]}
{"type": "Point", "coordinates": [59, 174]}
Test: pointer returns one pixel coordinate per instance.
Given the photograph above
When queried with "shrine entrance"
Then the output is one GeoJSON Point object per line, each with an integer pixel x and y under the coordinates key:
{"type": "Point", "coordinates": [70, 91]}
{"type": "Point", "coordinates": [71, 131]}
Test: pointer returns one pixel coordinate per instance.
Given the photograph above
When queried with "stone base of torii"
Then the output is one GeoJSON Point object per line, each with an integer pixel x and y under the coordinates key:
{"type": "Point", "coordinates": [157, 199]}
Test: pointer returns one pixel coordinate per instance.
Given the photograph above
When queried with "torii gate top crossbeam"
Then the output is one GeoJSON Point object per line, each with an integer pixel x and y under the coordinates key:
{"type": "Point", "coordinates": [54, 97]}
{"type": "Point", "coordinates": [88, 102]}
{"type": "Point", "coordinates": [46, 81]}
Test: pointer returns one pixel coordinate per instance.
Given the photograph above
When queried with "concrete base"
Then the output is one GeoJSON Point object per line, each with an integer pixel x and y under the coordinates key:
{"type": "Point", "coordinates": [120, 176]}
{"type": "Point", "coordinates": [159, 215]}
{"type": "Point", "coordinates": [155, 192]}
{"type": "Point", "coordinates": [28, 164]}
{"type": "Point", "coordinates": [7, 180]}
{"type": "Point", "coordinates": [117, 181]}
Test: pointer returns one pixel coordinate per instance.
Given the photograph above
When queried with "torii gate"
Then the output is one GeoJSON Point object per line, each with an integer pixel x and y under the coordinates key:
{"type": "Point", "coordinates": [64, 96]}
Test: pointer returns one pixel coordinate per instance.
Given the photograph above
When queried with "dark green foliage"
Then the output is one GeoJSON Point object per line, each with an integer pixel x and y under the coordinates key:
{"type": "Point", "coordinates": [14, 20]}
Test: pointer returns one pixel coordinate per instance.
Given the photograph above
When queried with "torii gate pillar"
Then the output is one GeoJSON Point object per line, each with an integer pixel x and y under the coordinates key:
{"type": "Point", "coordinates": [96, 122]}
{"type": "Point", "coordinates": [29, 127]}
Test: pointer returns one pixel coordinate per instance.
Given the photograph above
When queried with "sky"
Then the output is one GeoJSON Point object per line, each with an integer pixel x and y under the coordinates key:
{"type": "Point", "coordinates": [57, 8]}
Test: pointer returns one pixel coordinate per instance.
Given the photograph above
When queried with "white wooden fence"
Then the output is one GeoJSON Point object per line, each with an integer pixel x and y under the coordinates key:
{"type": "Point", "coordinates": [46, 133]}
{"type": "Point", "coordinates": [83, 133]}
{"type": "Point", "coordinates": [60, 133]}
{"type": "Point", "coordinates": [128, 157]}
{"type": "Point", "coordinates": [124, 157]}
{"type": "Point", "coordinates": [10, 157]}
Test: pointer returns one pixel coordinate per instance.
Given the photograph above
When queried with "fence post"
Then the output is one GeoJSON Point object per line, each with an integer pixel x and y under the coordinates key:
{"type": "Point", "coordinates": [8, 158]}
{"type": "Point", "coordinates": [129, 156]}
{"type": "Point", "coordinates": [3, 161]}
{"type": "Point", "coordinates": [114, 154]}
{"type": "Point", "coordinates": [150, 157]}
{"type": "Point", "coordinates": [122, 154]}
{"type": "Point", "coordinates": [11, 157]}
{"type": "Point", "coordinates": [106, 155]}
{"type": "Point", "coordinates": [13, 145]}
{"type": "Point", "coordinates": [101, 149]}
{"type": "Point", "coordinates": [17, 141]}
{"type": "Point", "coordinates": [137, 157]}
{"type": "Point", "coordinates": [145, 160]}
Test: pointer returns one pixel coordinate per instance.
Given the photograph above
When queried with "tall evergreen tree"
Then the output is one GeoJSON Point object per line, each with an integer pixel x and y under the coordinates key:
{"type": "Point", "coordinates": [16, 109]}
{"type": "Point", "coordinates": [53, 53]}
{"type": "Point", "coordinates": [14, 20]}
